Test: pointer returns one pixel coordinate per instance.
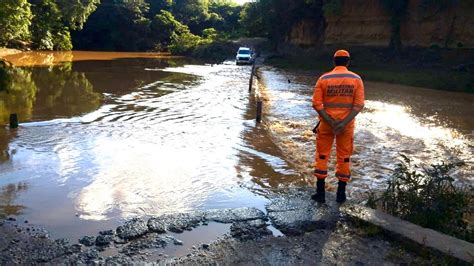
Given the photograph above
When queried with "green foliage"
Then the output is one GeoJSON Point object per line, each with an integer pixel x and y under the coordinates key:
{"type": "Point", "coordinates": [184, 43]}
{"type": "Point", "coordinates": [216, 51]}
{"type": "Point", "coordinates": [164, 25]}
{"type": "Point", "coordinates": [21, 94]}
{"type": "Point", "coordinates": [15, 19]}
{"type": "Point", "coordinates": [193, 13]}
{"type": "Point", "coordinates": [47, 21]}
{"type": "Point", "coordinates": [209, 34]}
{"type": "Point", "coordinates": [54, 90]}
{"type": "Point", "coordinates": [252, 21]}
{"type": "Point", "coordinates": [118, 25]}
{"type": "Point", "coordinates": [75, 12]}
{"type": "Point", "coordinates": [64, 92]}
{"type": "Point", "coordinates": [156, 6]}
{"type": "Point", "coordinates": [157, 24]}
{"type": "Point", "coordinates": [49, 32]}
{"type": "Point", "coordinates": [332, 8]}
{"type": "Point", "coordinates": [427, 196]}
{"type": "Point", "coordinates": [224, 16]}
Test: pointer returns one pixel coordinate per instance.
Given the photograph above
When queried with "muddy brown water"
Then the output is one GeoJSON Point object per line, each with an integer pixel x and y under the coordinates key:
{"type": "Point", "coordinates": [103, 140]}
{"type": "Point", "coordinates": [105, 137]}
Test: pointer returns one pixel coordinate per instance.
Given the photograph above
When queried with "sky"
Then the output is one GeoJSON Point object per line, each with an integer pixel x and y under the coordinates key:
{"type": "Point", "coordinates": [240, 2]}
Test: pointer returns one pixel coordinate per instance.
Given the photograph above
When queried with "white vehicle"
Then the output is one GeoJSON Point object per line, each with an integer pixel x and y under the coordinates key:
{"type": "Point", "coordinates": [244, 56]}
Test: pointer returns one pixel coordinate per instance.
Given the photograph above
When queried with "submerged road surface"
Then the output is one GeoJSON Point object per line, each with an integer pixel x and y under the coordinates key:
{"type": "Point", "coordinates": [104, 141]}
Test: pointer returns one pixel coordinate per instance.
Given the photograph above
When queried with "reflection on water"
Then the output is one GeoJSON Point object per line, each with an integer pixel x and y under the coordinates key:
{"type": "Point", "coordinates": [427, 125]}
{"type": "Point", "coordinates": [49, 58]}
{"type": "Point", "coordinates": [8, 195]}
{"type": "Point", "coordinates": [44, 93]}
{"type": "Point", "coordinates": [102, 141]}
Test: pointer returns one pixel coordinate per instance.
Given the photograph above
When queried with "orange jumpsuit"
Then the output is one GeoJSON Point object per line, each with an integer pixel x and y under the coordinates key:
{"type": "Point", "coordinates": [337, 92]}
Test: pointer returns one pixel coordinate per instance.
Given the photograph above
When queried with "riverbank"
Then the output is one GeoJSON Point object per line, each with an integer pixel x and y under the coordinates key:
{"type": "Point", "coordinates": [450, 70]}
{"type": "Point", "coordinates": [20, 58]}
{"type": "Point", "coordinates": [8, 51]}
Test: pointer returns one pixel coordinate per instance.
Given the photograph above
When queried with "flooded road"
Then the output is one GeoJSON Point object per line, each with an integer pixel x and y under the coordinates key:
{"type": "Point", "coordinates": [427, 125]}
{"type": "Point", "coordinates": [104, 140]}
{"type": "Point", "coordinates": [111, 136]}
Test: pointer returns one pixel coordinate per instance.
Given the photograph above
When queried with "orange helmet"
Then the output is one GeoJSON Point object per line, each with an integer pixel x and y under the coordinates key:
{"type": "Point", "coordinates": [342, 53]}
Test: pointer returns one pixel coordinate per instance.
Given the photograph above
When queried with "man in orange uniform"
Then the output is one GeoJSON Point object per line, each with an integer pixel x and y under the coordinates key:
{"type": "Point", "coordinates": [338, 98]}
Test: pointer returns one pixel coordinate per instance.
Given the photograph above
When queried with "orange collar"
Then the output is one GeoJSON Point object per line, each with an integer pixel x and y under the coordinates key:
{"type": "Point", "coordinates": [340, 68]}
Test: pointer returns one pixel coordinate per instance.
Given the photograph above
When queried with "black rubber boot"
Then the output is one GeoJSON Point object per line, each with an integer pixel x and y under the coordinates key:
{"type": "Point", "coordinates": [320, 192]}
{"type": "Point", "coordinates": [341, 192]}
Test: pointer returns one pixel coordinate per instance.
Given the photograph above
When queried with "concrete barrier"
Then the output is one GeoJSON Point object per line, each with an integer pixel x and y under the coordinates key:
{"type": "Point", "coordinates": [448, 245]}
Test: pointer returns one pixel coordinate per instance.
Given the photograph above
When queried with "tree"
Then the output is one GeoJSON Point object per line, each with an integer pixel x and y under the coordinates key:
{"type": "Point", "coordinates": [164, 25]}
{"type": "Point", "coordinates": [157, 5]}
{"type": "Point", "coordinates": [76, 12]}
{"type": "Point", "coordinates": [48, 30]}
{"type": "Point", "coordinates": [53, 20]}
{"type": "Point", "coordinates": [252, 21]}
{"type": "Point", "coordinates": [183, 43]}
{"type": "Point", "coordinates": [119, 25]}
{"type": "Point", "coordinates": [193, 13]}
{"type": "Point", "coordinates": [224, 15]}
{"type": "Point", "coordinates": [15, 20]}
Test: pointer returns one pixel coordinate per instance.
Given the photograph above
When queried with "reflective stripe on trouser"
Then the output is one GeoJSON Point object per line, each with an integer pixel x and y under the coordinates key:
{"type": "Point", "coordinates": [344, 147]}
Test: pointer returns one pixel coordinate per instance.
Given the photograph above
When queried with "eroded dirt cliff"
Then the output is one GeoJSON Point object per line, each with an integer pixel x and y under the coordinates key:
{"type": "Point", "coordinates": [368, 23]}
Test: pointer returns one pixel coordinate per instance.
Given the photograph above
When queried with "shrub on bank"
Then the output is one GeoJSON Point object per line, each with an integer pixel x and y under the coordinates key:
{"type": "Point", "coordinates": [427, 196]}
{"type": "Point", "coordinates": [216, 51]}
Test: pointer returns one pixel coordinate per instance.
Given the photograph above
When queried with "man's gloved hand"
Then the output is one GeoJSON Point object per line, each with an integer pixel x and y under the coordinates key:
{"type": "Point", "coordinates": [339, 127]}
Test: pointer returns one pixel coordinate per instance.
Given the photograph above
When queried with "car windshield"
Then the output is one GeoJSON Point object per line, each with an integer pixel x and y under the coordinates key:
{"type": "Point", "coordinates": [244, 51]}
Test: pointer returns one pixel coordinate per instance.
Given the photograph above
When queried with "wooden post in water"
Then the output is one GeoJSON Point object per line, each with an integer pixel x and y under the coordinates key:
{"type": "Point", "coordinates": [251, 78]}
{"type": "Point", "coordinates": [259, 111]}
{"type": "Point", "coordinates": [13, 120]}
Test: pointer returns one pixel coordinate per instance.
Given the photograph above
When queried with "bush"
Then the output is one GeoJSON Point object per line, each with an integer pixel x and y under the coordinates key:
{"type": "Point", "coordinates": [428, 197]}
{"type": "Point", "coordinates": [216, 51]}
{"type": "Point", "coordinates": [184, 43]}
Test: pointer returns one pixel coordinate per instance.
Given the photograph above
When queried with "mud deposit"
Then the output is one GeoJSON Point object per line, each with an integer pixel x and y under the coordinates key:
{"type": "Point", "coordinates": [314, 234]}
